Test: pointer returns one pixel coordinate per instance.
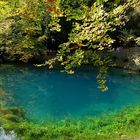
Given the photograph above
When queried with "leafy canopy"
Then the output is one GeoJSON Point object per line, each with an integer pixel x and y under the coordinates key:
{"type": "Point", "coordinates": [32, 28]}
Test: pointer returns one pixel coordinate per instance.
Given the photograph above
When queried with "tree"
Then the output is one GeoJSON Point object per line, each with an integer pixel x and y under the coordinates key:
{"type": "Point", "coordinates": [27, 26]}
{"type": "Point", "coordinates": [90, 37]}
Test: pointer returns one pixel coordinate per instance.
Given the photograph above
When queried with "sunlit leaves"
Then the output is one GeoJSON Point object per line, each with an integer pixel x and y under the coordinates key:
{"type": "Point", "coordinates": [92, 35]}
{"type": "Point", "coordinates": [26, 27]}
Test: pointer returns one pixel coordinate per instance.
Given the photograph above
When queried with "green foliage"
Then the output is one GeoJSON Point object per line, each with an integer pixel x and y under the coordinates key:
{"type": "Point", "coordinates": [92, 36]}
{"type": "Point", "coordinates": [24, 31]}
{"type": "Point", "coordinates": [129, 35]}
{"type": "Point", "coordinates": [138, 41]}
{"type": "Point", "coordinates": [31, 29]}
{"type": "Point", "coordinates": [106, 127]}
{"type": "Point", "coordinates": [74, 9]}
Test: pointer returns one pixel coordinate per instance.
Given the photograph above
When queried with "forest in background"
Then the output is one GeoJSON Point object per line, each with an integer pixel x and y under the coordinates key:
{"type": "Point", "coordinates": [70, 33]}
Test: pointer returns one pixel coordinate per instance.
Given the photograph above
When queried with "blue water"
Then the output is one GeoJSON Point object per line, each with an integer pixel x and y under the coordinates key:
{"type": "Point", "coordinates": [51, 94]}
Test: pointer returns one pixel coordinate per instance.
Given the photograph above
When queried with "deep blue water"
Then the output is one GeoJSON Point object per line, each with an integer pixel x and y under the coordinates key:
{"type": "Point", "coordinates": [51, 94]}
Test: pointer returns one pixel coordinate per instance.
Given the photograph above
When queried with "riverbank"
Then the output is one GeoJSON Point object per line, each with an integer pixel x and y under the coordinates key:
{"type": "Point", "coordinates": [124, 125]}
{"type": "Point", "coordinates": [128, 59]}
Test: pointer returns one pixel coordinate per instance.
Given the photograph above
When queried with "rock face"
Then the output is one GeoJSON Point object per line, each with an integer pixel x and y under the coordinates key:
{"type": "Point", "coordinates": [127, 58]}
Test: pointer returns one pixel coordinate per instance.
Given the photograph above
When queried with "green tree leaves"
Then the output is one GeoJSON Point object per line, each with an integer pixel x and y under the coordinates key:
{"type": "Point", "coordinates": [91, 38]}
{"type": "Point", "coordinates": [27, 26]}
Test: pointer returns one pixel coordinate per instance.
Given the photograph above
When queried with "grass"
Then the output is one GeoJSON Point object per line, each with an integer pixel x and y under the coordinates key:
{"type": "Point", "coordinates": [125, 123]}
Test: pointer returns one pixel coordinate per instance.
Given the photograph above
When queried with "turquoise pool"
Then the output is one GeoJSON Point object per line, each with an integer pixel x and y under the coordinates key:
{"type": "Point", "coordinates": [46, 94]}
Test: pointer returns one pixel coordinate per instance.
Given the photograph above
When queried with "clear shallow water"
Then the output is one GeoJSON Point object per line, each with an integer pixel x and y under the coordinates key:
{"type": "Point", "coordinates": [50, 94]}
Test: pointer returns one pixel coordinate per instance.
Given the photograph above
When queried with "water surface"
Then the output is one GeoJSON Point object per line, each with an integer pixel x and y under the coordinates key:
{"type": "Point", "coordinates": [51, 94]}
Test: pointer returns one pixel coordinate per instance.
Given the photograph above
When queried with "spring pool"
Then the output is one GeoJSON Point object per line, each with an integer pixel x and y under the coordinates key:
{"type": "Point", "coordinates": [46, 94]}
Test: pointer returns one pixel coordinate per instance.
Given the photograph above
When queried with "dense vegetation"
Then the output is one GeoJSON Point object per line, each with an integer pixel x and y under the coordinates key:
{"type": "Point", "coordinates": [69, 33]}
{"type": "Point", "coordinates": [121, 125]}
{"type": "Point", "coordinates": [66, 32]}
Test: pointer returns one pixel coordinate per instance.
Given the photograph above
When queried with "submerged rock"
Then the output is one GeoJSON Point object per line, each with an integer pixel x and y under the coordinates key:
{"type": "Point", "coordinates": [9, 136]}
